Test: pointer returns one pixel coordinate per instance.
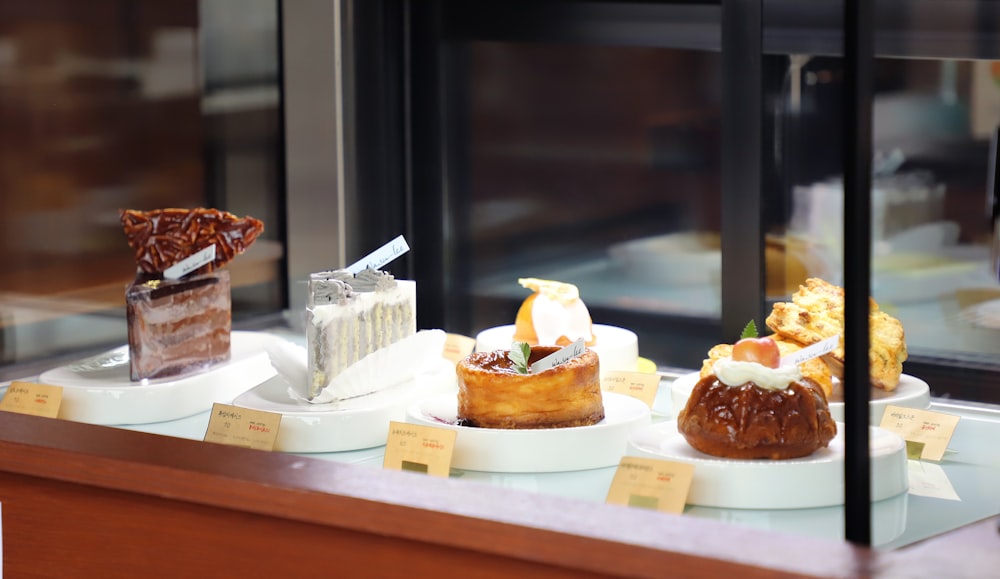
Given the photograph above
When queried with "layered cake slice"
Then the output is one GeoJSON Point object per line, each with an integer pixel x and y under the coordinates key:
{"type": "Point", "coordinates": [179, 305]}
{"type": "Point", "coordinates": [350, 316]}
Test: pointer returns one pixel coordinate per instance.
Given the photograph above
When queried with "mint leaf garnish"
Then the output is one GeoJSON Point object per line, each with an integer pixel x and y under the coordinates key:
{"type": "Point", "coordinates": [519, 354]}
{"type": "Point", "coordinates": [749, 331]}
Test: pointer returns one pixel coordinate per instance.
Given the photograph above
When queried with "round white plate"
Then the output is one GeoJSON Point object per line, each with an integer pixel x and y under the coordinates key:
{"type": "Point", "coordinates": [99, 390]}
{"type": "Point", "coordinates": [352, 424]}
{"type": "Point", "coordinates": [912, 392]}
{"type": "Point", "coordinates": [812, 481]}
{"type": "Point", "coordinates": [536, 450]}
{"type": "Point", "coordinates": [617, 348]}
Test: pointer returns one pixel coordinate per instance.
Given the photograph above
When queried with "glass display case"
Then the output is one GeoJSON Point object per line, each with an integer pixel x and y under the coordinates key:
{"type": "Point", "coordinates": [680, 162]}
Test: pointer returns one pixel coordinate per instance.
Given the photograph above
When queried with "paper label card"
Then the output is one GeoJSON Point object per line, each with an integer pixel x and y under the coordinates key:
{"type": "Point", "coordinates": [190, 263]}
{"type": "Point", "coordinates": [31, 398]}
{"type": "Point", "coordinates": [635, 384]}
{"type": "Point", "coordinates": [419, 448]}
{"type": "Point", "coordinates": [560, 356]}
{"type": "Point", "coordinates": [457, 347]}
{"type": "Point", "coordinates": [918, 427]}
{"type": "Point", "coordinates": [651, 484]}
{"type": "Point", "coordinates": [929, 480]}
{"type": "Point", "coordinates": [242, 427]}
{"type": "Point", "coordinates": [381, 256]}
{"type": "Point", "coordinates": [816, 350]}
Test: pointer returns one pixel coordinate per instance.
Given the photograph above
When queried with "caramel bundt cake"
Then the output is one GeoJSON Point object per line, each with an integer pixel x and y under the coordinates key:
{"type": "Point", "coordinates": [745, 409]}
{"type": "Point", "coordinates": [492, 393]}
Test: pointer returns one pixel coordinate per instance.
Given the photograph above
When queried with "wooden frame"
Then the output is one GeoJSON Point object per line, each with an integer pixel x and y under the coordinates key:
{"type": "Point", "coordinates": [101, 501]}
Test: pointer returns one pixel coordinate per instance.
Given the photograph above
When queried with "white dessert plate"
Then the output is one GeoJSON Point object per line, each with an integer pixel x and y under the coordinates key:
{"type": "Point", "coordinates": [99, 390]}
{"type": "Point", "coordinates": [812, 481]}
{"type": "Point", "coordinates": [621, 351]}
{"type": "Point", "coordinates": [352, 424]}
{"type": "Point", "coordinates": [912, 392]}
{"type": "Point", "coordinates": [536, 450]}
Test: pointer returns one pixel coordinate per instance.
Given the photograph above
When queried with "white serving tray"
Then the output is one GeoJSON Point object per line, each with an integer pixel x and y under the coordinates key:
{"type": "Point", "coordinates": [352, 424]}
{"type": "Point", "coordinates": [912, 392]}
{"type": "Point", "coordinates": [537, 450]}
{"type": "Point", "coordinates": [99, 390]}
{"type": "Point", "coordinates": [812, 481]}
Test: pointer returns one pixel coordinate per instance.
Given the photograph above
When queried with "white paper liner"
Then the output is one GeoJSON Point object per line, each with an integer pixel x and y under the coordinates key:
{"type": "Point", "coordinates": [392, 365]}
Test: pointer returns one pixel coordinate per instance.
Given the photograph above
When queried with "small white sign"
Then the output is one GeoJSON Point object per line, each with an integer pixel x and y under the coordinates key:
{"type": "Point", "coordinates": [816, 350]}
{"type": "Point", "coordinates": [561, 355]}
{"type": "Point", "coordinates": [930, 480]}
{"type": "Point", "coordinates": [380, 256]}
{"type": "Point", "coordinates": [190, 263]}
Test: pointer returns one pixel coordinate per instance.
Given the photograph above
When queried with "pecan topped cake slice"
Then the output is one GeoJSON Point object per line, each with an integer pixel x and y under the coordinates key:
{"type": "Point", "coordinates": [181, 325]}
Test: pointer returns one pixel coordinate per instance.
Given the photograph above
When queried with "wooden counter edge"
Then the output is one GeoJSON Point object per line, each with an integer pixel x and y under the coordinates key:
{"type": "Point", "coordinates": [466, 516]}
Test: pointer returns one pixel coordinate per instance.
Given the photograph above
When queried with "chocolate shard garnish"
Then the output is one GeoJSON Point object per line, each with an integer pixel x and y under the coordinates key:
{"type": "Point", "coordinates": [164, 237]}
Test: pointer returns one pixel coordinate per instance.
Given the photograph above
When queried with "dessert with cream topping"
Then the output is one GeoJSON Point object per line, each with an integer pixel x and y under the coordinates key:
{"type": "Point", "coordinates": [751, 407]}
{"type": "Point", "coordinates": [493, 393]}
{"type": "Point", "coordinates": [555, 315]}
{"type": "Point", "coordinates": [349, 316]}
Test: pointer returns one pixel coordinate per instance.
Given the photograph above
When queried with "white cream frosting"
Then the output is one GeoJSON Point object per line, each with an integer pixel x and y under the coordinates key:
{"type": "Point", "coordinates": [734, 373]}
{"type": "Point", "coordinates": [558, 311]}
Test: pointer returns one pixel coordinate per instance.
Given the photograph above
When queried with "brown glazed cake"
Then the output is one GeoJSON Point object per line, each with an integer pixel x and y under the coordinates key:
{"type": "Point", "coordinates": [747, 421]}
{"type": "Point", "coordinates": [176, 326]}
{"type": "Point", "coordinates": [492, 394]}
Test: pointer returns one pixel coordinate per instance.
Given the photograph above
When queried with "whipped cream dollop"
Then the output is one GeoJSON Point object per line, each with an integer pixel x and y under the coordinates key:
{"type": "Point", "coordinates": [558, 311]}
{"type": "Point", "coordinates": [734, 373]}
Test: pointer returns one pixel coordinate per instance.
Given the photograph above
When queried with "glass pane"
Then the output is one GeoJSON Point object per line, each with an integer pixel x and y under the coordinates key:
{"type": "Point", "coordinates": [138, 105]}
{"type": "Point", "coordinates": [597, 166]}
{"type": "Point", "coordinates": [931, 227]}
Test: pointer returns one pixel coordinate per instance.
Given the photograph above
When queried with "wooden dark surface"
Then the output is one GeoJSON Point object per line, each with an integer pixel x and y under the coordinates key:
{"type": "Point", "coordinates": [90, 501]}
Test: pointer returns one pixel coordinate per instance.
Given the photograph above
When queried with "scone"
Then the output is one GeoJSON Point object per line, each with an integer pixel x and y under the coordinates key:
{"type": "Point", "coordinates": [816, 312]}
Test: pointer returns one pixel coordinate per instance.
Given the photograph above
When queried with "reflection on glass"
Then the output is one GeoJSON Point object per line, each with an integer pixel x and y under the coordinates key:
{"type": "Point", "coordinates": [931, 230]}
{"type": "Point", "coordinates": [597, 166]}
{"type": "Point", "coordinates": [105, 108]}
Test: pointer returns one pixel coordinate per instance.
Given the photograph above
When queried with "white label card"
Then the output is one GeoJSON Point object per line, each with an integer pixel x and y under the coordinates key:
{"type": "Point", "coordinates": [190, 263]}
{"type": "Point", "coordinates": [380, 256]}
{"type": "Point", "coordinates": [816, 350]}
{"type": "Point", "coordinates": [929, 480]}
{"type": "Point", "coordinates": [560, 356]}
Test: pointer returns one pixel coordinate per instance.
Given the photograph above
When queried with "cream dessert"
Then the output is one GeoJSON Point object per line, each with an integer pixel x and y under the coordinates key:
{"type": "Point", "coordinates": [349, 316]}
{"type": "Point", "coordinates": [555, 315]}
{"type": "Point", "coordinates": [750, 407]}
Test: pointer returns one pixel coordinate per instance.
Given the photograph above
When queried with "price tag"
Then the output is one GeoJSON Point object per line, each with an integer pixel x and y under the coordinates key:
{"type": "Point", "coordinates": [931, 429]}
{"type": "Point", "coordinates": [419, 448]}
{"type": "Point", "coordinates": [651, 484]}
{"type": "Point", "coordinates": [457, 347]}
{"type": "Point", "coordinates": [31, 398]}
{"type": "Point", "coordinates": [243, 427]}
{"type": "Point", "coordinates": [635, 384]}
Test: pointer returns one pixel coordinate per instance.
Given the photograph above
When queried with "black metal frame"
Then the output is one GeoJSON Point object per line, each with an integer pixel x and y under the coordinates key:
{"type": "Point", "coordinates": [857, 158]}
